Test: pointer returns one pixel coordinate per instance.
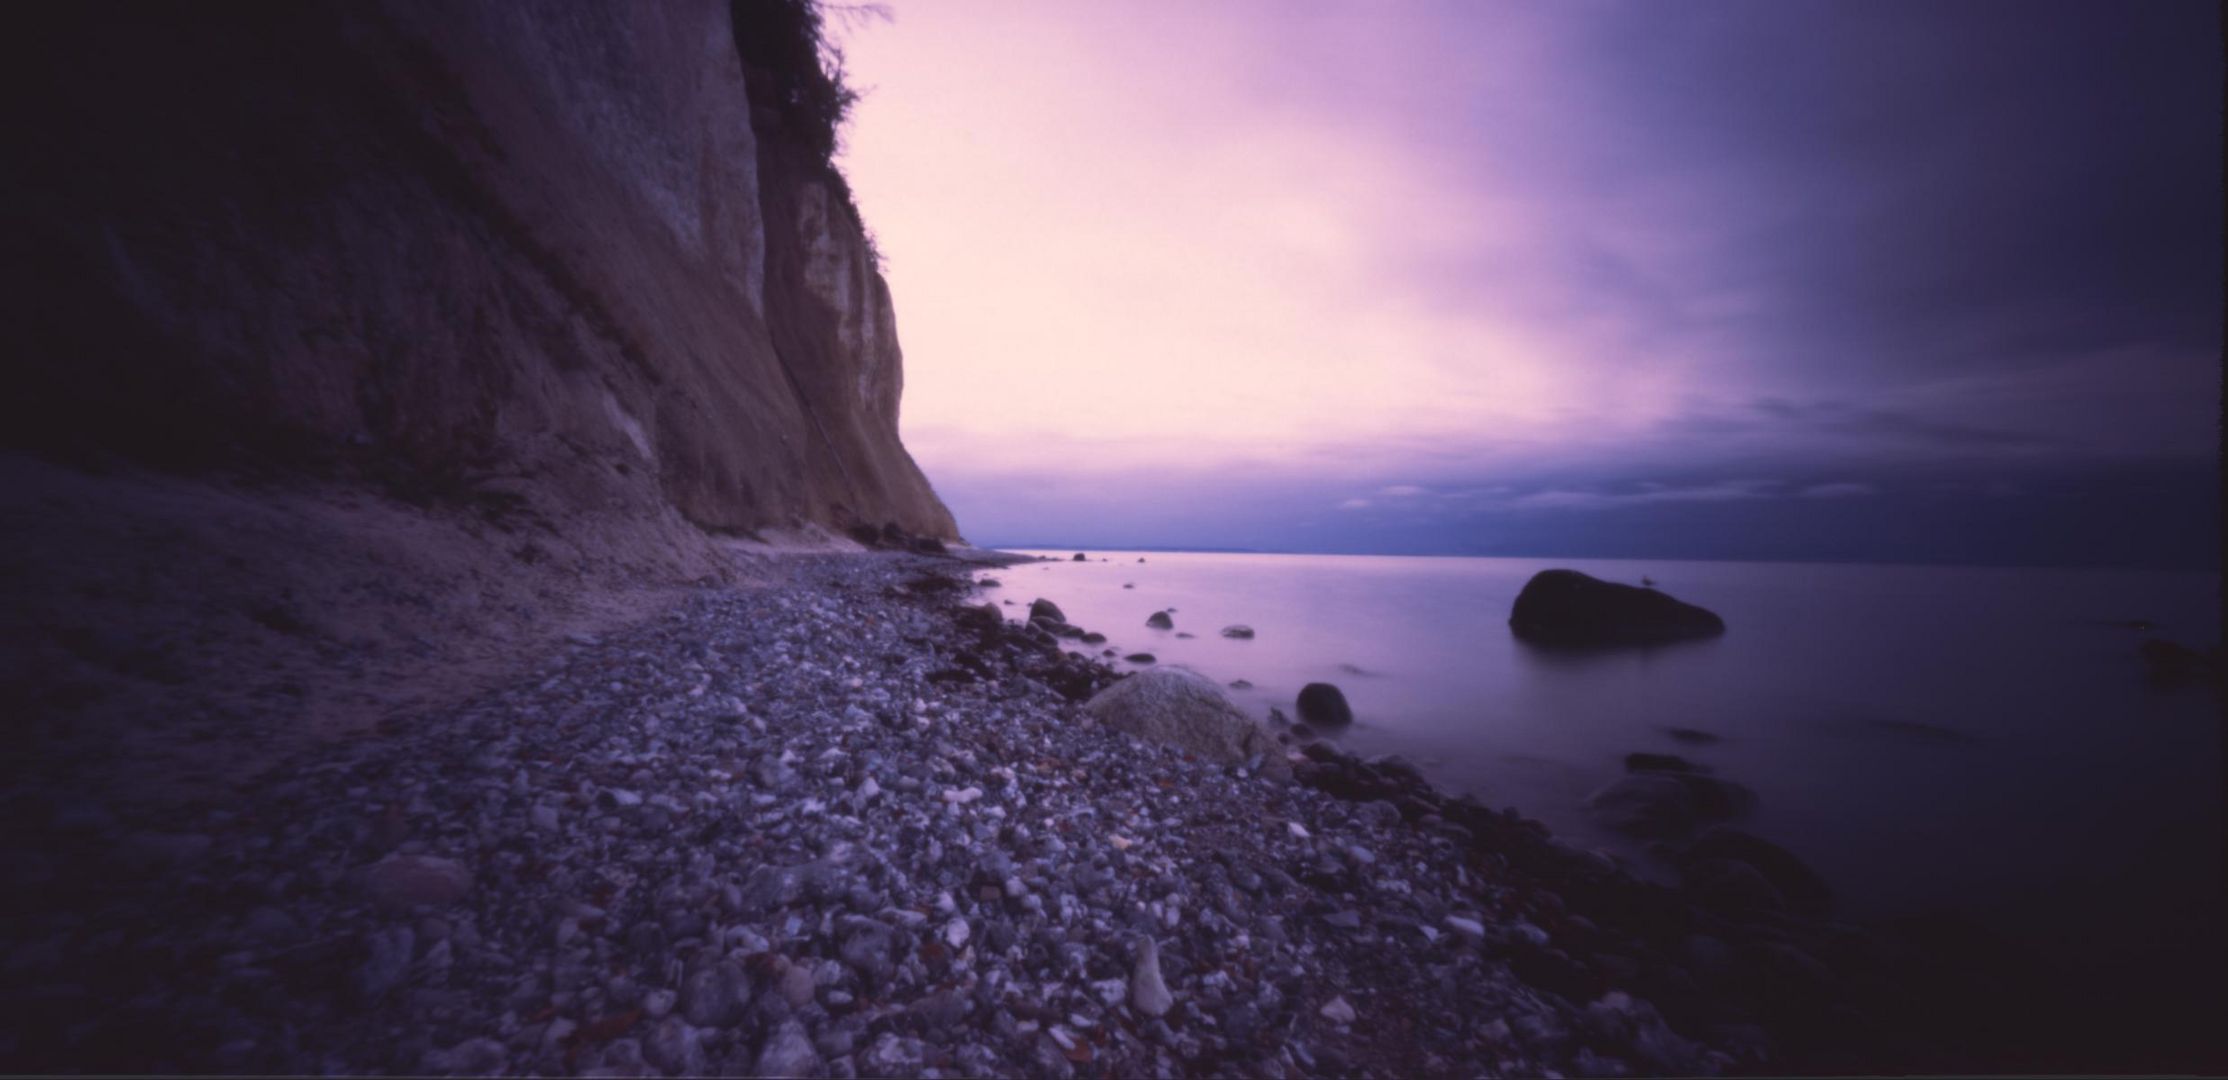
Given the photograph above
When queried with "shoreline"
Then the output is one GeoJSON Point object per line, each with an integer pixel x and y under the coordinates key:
{"type": "Point", "coordinates": [831, 825]}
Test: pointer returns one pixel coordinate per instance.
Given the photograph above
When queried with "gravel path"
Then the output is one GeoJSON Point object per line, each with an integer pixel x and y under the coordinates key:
{"type": "Point", "coordinates": [834, 827]}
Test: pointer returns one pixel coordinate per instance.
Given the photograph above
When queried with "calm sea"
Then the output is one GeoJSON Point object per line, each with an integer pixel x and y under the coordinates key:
{"type": "Point", "coordinates": [1932, 740]}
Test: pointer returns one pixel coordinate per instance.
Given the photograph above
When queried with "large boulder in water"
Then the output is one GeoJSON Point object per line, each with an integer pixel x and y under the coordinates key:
{"type": "Point", "coordinates": [1565, 607]}
{"type": "Point", "coordinates": [1322, 705]}
{"type": "Point", "coordinates": [1041, 608]}
{"type": "Point", "coordinates": [1188, 710]}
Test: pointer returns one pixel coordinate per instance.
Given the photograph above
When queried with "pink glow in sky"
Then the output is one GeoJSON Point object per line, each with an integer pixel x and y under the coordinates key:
{"type": "Point", "coordinates": [1143, 230]}
{"type": "Point", "coordinates": [1420, 276]}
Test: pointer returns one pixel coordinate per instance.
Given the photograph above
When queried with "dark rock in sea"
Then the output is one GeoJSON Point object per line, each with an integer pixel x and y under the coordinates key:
{"type": "Point", "coordinates": [1804, 890]}
{"type": "Point", "coordinates": [1240, 684]}
{"type": "Point", "coordinates": [989, 583]}
{"type": "Point", "coordinates": [1729, 886]}
{"type": "Point", "coordinates": [1159, 620]}
{"type": "Point", "coordinates": [1644, 762]}
{"type": "Point", "coordinates": [1178, 707]}
{"type": "Point", "coordinates": [1322, 705]}
{"type": "Point", "coordinates": [1645, 804]}
{"type": "Point", "coordinates": [2171, 662]}
{"type": "Point", "coordinates": [1240, 631]}
{"type": "Point", "coordinates": [1057, 628]}
{"type": "Point", "coordinates": [1691, 737]}
{"type": "Point", "coordinates": [1041, 608]}
{"type": "Point", "coordinates": [1715, 799]}
{"type": "Point", "coordinates": [1568, 608]}
{"type": "Point", "coordinates": [1079, 557]}
{"type": "Point", "coordinates": [1139, 658]}
{"type": "Point", "coordinates": [1128, 585]}
{"type": "Point", "coordinates": [1093, 638]}
{"type": "Point", "coordinates": [1185, 634]}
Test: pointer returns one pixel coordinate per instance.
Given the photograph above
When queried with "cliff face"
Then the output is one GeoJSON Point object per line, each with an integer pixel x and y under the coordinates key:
{"type": "Point", "coordinates": [365, 354]}
{"type": "Point", "coordinates": [542, 251]}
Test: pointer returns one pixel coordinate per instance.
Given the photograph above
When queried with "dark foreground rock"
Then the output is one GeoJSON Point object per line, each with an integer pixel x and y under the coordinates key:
{"type": "Point", "coordinates": [1322, 705]}
{"type": "Point", "coordinates": [1571, 609]}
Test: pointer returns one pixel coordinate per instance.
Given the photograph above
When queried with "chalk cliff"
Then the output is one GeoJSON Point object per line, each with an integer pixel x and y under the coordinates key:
{"type": "Point", "coordinates": [528, 249]}
{"type": "Point", "coordinates": [363, 353]}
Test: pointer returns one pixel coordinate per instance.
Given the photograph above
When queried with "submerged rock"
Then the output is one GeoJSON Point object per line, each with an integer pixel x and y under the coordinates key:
{"type": "Point", "coordinates": [1568, 608]}
{"type": "Point", "coordinates": [1643, 762]}
{"type": "Point", "coordinates": [1668, 804]}
{"type": "Point", "coordinates": [1185, 709]}
{"type": "Point", "coordinates": [1322, 705]}
{"type": "Point", "coordinates": [1645, 804]}
{"type": "Point", "coordinates": [1238, 630]}
{"type": "Point", "coordinates": [1159, 620]}
{"type": "Point", "coordinates": [1793, 879]}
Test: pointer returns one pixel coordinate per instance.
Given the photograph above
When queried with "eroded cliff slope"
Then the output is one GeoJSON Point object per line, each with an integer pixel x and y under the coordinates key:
{"type": "Point", "coordinates": [454, 247]}
{"type": "Point", "coordinates": [361, 352]}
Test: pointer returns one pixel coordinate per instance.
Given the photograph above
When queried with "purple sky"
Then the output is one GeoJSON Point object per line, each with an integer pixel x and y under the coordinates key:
{"type": "Point", "coordinates": [1873, 280]}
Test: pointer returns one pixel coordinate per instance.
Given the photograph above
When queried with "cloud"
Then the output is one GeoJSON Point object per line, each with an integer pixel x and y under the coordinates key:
{"type": "Point", "coordinates": [1400, 491]}
{"type": "Point", "coordinates": [1888, 425]}
{"type": "Point", "coordinates": [1838, 490]}
{"type": "Point", "coordinates": [1354, 504]}
{"type": "Point", "coordinates": [1721, 491]}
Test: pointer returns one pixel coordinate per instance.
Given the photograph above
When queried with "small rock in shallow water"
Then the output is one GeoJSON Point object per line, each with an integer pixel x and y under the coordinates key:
{"type": "Point", "coordinates": [1240, 631]}
{"type": "Point", "coordinates": [1148, 994]}
{"type": "Point", "coordinates": [1159, 620]}
{"type": "Point", "coordinates": [1660, 763]}
{"type": "Point", "coordinates": [1139, 658]}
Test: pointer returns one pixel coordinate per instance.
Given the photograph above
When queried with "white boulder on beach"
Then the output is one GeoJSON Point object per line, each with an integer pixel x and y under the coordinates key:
{"type": "Point", "coordinates": [1188, 710]}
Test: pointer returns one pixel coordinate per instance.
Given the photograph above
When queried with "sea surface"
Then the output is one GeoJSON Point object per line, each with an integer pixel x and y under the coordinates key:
{"type": "Point", "coordinates": [1976, 742]}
